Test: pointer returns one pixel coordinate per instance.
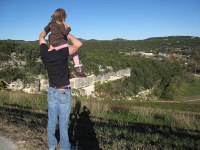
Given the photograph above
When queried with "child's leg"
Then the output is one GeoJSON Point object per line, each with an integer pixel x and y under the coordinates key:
{"type": "Point", "coordinates": [50, 48]}
{"type": "Point", "coordinates": [57, 47]}
{"type": "Point", "coordinates": [76, 60]}
{"type": "Point", "coordinates": [78, 66]}
{"type": "Point", "coordinates": [61, 46]}
{"type": "Point", "coordinates": [76, 44]}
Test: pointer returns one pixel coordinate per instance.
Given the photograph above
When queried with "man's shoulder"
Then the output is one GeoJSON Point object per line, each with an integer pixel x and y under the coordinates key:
{"type": "Point", "coordinates": [43, 46]}
{"type": "Point", "coordinates": [43, 49]}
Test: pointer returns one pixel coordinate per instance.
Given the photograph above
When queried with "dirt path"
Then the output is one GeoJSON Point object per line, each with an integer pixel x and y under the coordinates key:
{"type": "Point", "coordinates": [7, 144]}
{"type": "Point", "coordinates": [184, 101]}
{"type": "Point", "coordinates": [13, 137]}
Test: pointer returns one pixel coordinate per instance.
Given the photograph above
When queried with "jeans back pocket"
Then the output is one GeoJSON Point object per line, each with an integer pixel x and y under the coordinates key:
{"type": "Point", "coordinates": [64, 97]}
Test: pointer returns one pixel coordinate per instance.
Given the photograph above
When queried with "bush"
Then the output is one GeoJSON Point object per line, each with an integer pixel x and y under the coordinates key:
{"type": "Point", "coordinates": [170, 92]}
{"type": "Point", "coordinates": [11, 74]}
{"type": "Point", "coordinates": [2, 86]}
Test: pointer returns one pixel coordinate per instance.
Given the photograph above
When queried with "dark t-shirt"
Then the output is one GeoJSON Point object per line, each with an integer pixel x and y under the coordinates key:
{"type": "Point", "coordinates": [56, 63]}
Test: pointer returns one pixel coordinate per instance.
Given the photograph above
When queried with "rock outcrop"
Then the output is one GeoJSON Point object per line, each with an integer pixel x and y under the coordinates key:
{"type": "Point", "coordinates": [16, 85]}
{"type": "Point", "coordinates": [33, 87]}
{"type": "Point", "coordinates": [85, 86]}
{"type": "Point", "coordinates": [80, 86]}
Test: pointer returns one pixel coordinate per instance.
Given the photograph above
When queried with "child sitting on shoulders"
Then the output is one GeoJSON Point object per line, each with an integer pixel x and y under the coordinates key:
{"type": "Point", "coordinates": [59, 31]}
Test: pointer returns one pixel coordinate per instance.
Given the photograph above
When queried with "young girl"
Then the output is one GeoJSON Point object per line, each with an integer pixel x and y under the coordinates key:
{"type": "Point", "coordinates": [58, 37]}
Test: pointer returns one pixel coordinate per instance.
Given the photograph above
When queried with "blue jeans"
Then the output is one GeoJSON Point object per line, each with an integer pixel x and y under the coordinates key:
{"type": "Point", "coordinates": [59, 104]}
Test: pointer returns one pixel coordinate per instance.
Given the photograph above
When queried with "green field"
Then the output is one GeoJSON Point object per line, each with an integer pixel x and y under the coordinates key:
{"type": "Point", "coordinates": [110, 124]}
{"type": "Point", "coordinates": [191, 89]}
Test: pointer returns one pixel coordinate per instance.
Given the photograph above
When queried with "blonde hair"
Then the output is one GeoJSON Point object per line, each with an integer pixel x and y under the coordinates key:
{"type": "Point", "coordinates": [59, 15]}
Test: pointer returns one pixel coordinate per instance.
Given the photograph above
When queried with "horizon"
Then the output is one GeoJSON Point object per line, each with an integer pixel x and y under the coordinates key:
{"type": "Point", "coordinates": [111, 39]}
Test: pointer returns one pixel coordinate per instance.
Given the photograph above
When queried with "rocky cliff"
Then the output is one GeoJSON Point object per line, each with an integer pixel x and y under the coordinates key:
{"type": "Point", "coordinates": [80, 86]}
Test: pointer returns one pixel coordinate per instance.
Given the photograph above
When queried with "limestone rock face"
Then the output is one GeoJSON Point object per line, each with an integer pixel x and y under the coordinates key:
{"type": "Point", "coordinates": [85, 86]}
{"type": "Point", "coordinates": [80, 86]}
{"type": "Point", "coordinates": [77, 83]}
{"type": "Point", "coordinates": [32, 88]}
{"type": "Point", "coordinates": [16, 85]}
{"type": "Point", "coordinates": [44, 83]}
{"type": "Point", "coordinates": [13, 62]}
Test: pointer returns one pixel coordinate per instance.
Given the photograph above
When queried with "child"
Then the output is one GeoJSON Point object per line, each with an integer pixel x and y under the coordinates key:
{"type": "Point", "coordinates": [58, 37]}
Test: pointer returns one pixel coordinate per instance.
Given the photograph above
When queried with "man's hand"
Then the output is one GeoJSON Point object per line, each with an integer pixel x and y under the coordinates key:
{"type": "Point", "coordinates": [65, 29]}
{"type": "Point", "coordinates": [42, 37]}
{"type": "Point", "coordinates": [66, 25]}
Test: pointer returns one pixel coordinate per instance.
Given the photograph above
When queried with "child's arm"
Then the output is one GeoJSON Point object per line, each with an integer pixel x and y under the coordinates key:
{"type": "Point", "coordinates": [65, 29]}
{"type": "Point", "coordinates": [47, 28]}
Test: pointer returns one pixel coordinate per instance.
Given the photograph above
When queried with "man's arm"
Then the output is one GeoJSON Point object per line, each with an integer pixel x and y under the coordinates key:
{"type": "Point", "coordinates": [47, 28]}
{"type": "Point", "coordinates": [76, 44]}
{"type": "Point", "coordinates": [42, 37]}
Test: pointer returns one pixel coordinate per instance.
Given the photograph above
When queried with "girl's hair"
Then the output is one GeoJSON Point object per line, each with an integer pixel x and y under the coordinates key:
{"type": "Point", "coordinates": [59, 15]}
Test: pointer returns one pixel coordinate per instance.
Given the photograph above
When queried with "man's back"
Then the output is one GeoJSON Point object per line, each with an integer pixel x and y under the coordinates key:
{"type": "Point", "coordinates": [56, 63]}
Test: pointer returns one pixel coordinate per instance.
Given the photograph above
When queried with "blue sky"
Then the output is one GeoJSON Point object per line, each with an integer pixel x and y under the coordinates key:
{"type": "Point", "coordinates": [102, 19]}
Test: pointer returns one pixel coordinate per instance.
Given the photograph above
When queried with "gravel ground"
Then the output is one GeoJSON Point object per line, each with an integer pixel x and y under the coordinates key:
{"type": "Point", "coordinates": [7, 144]}
{"type": "Point", "coordinates": [13, 137]}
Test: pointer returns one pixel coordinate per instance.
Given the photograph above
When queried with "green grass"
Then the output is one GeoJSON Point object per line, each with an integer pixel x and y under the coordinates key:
{"type": "Point", "coordinates": [130, 138]}
{"type": "Point", "coordinates": [185, 106]}
{"type": "Point", "coordinates": [191, 89]}
{"type": "Point", "coordinates": [110, 124]}
{"type": "Point", "coordinates": [20, 99]}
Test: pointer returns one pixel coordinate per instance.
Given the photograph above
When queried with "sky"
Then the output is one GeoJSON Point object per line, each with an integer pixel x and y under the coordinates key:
{"type": "Point", "coordinates": [102, 19]}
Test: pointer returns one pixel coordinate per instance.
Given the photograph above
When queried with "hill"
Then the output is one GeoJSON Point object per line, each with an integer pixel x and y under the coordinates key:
{"type": "Point", "coordinates": [133, 112]}
{"type": "Point", "coordinates": [153, 61]}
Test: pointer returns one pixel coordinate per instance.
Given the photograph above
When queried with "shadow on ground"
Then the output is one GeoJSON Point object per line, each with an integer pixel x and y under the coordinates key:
{"type": "Point", "coordinates": [81, 130]}
{"type": "Point", "coordinates": [82, 127]}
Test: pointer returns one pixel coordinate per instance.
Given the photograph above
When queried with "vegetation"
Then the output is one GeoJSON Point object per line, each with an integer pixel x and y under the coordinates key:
{"type": "Point", "coordinates": [14, 52]}
{"type": "Point", "coordinates": [164, 77]}
{"type": "Point", "coordinates": [111, 121]}
{"type": "Point", "coordinates": [97, 124]}
{"type": "Point", "coordinates": [191, 88]}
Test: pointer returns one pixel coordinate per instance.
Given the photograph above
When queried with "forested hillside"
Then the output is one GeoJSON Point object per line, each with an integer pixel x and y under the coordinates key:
{"type": "Point", "coordinates": [20, 60]}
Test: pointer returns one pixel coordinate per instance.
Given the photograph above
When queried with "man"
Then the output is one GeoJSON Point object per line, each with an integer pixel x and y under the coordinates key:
{"type": "Point", "coordinates": [59, 91]}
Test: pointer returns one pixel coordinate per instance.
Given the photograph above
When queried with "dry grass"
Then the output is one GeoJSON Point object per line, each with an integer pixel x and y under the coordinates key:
{"type": "Point", "coordinates": [131, 113]}
{"type": "Point", "coordinates": [115, 123]}
{"type": "Point", "coordinates": [21, 99]}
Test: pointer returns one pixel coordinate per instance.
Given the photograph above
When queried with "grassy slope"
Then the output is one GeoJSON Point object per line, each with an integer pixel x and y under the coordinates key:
{"type": "Point", "coordinates": [112, 124]}
{"type": "Point", "coordinates": [191, 89]}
